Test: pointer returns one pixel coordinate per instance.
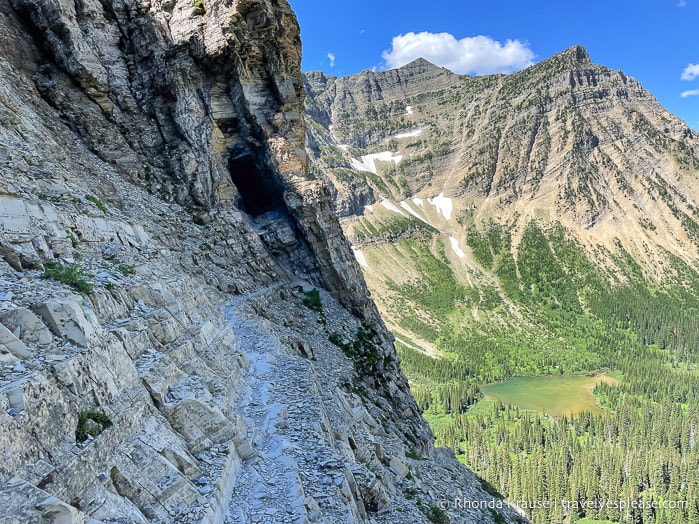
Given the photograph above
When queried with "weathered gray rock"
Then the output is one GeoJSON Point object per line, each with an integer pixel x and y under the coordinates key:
{"type": "Point", "coordinates": [12, 345]}
{"type": "Point", "coordinates": [10, 256]}
{"type": "Point", "coordinates": [152, 139]}
{"type": "Point", "coordinates": [18, 257]}
{"type": "Point", "coordinates": [31, 328]}
{"type": "Point", "coordinates": [57, 512]}
{"type": "Point", "coordinates": [6, 357]}
{"type": "Point", "coordinates": [5, 268]}
{"type": "Point", "coordinates": [15, 397]}
{"type": "Point", "coordinates": [32, 505]}
{"type": "Point", "coordinates": [69, 318]}
{"type": "Point", "coordinates": [400, 469]}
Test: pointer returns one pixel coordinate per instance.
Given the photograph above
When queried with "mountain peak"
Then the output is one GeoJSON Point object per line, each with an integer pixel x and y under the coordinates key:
{"type": "Point", "coordinates": [574, 56]}
{"type": "Point", "coordinates": [421, 65]}
{"type": "Point", "coordinates": [578, 54]}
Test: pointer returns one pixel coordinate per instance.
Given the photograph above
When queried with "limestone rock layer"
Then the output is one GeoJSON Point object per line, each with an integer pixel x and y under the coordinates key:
{"type": "Point", "coordinates": [185, 335]}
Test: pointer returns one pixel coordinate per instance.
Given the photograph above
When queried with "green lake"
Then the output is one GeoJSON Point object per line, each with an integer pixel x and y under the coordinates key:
{"type": "Point", "coordinates": [554, 395]}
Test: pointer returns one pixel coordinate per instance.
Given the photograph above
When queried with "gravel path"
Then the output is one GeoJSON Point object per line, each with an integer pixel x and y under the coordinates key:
{"type": "Point", "coordinates": [296, 474]}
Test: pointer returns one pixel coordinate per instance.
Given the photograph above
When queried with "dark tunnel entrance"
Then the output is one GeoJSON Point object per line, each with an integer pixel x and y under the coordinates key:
{"type": "Point", "coordinates": [260, 189]}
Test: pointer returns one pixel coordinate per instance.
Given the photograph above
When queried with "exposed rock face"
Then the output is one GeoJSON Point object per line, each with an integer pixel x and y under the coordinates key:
{"type": "Point", "coordinates": [201, 104]}
{"type": "Point", "coordinates": [152, 161]}
{"type": "Point", "coordinates": [565, 140]}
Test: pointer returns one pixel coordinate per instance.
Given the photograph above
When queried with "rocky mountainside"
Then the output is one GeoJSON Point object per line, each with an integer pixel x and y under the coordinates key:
{"type": "Point", "coordinates": [185, 335]}
{"type": "Point", "coordinates": [565, 143]}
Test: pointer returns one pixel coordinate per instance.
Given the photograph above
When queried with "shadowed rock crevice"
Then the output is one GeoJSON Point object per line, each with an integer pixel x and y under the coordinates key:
{"type": "Point", "coordinates": [260, 189]}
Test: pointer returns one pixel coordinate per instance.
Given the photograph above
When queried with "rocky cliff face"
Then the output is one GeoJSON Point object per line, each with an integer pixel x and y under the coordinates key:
{"type": "Point", "coordinates": [566, 140]}
{"type": "Point", "coordinates": [197, 104]}
{"type": "Point", "coordinates": [164, 356]}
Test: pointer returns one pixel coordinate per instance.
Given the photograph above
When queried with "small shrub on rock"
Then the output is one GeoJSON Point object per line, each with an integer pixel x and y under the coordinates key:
{"type": "Point", "coordinates": [91, 424]}
{"type": "Point", "coordinates": [73, 275]}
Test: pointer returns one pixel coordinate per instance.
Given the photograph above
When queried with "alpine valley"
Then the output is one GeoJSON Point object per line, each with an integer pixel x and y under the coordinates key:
{"type": "Point", "coordinates": [543, 225]}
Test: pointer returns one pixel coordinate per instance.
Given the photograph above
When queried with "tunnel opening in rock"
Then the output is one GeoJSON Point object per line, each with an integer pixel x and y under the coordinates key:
{"type": "Point", "coordinates": [260, 189]}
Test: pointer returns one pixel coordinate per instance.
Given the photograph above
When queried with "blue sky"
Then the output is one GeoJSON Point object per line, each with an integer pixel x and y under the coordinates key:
{"type": "Point", "coordinates": [654, 41]}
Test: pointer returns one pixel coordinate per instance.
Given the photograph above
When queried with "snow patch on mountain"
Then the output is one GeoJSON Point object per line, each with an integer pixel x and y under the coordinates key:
{"type": "Point", "coordinates": [392, 207]}
{"type": "Point", "coordinates": [410, 134]}
{"type": "Point", "coordinates": [410, 210]}
{"type": "Point", "coordinates": [368, 162]}
{"type": "Point", "coordinates": [455, 246]}
{"type": "Point", "coordinates": [443, 204]}
{"type": "Point", "coordinates": [359, 255]}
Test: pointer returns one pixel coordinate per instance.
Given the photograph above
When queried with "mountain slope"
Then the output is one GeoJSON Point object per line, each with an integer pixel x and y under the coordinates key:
{"type": "Point", "coordinates": [565, 138]}
{"type": "Point", "coordinates": [565, 143]}
{"type": "Point", "coordinates": [541, 223]}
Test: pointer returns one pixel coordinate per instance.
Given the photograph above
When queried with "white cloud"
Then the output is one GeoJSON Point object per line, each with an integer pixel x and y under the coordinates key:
{"type": "Point", "coordinates": [331, 57]}
{"type": "Point", "coordinates": [480, 55]}
{"type": "Point", "coordinates": [690, 72]}
{"type": "Point", "coordinates": [692, 92]}
{"type": "Point", "coordinates": [682, 3]}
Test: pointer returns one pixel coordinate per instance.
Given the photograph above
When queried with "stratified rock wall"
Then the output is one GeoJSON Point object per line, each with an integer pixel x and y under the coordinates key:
{"type": "Point", "coordinates": [158, 231]}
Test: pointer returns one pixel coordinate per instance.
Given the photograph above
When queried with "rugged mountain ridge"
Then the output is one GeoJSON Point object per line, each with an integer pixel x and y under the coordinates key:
{"type": "Point", "coordinates": [564, 142]}
{"type": "Point", "coordinates": [166, 356]}
{"type": "Point", "coordinates": [542, 223]}
{"type": "Point", "coordinates": [566, 138]}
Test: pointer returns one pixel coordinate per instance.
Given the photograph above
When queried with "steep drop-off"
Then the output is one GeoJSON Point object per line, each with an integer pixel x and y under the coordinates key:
{"type": "Point", "coordinates": [539, 223]}
{"type": "Point", "coordinates": [166, 355]}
